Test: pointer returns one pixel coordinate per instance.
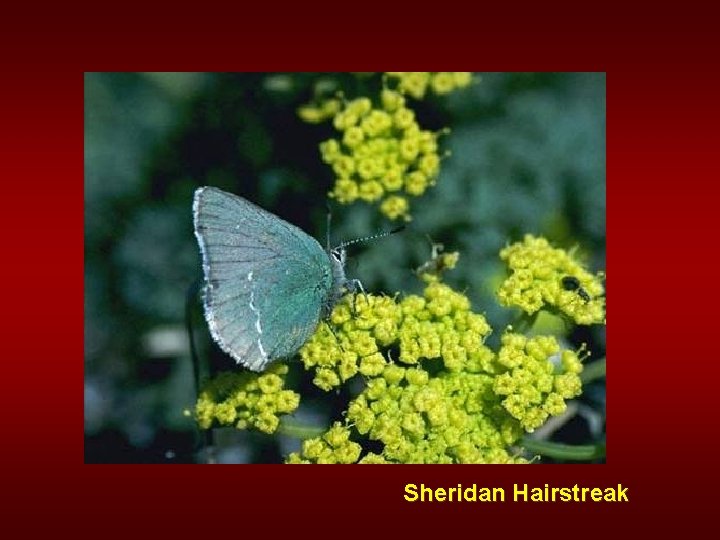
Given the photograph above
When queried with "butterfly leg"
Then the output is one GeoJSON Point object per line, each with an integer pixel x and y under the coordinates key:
{"type": "Point", "coordinates": [337, 339]}
{"type": "Point", "coordinates": [353, 285]}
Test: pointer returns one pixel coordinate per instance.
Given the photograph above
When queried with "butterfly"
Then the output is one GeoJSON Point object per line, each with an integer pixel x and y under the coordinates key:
{"type": "Point", "coordinates": [267, 284]}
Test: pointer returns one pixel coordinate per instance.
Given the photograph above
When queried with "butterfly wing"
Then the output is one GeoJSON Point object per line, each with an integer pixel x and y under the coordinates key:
{"type": "Point", "coordinates": [265, 279]}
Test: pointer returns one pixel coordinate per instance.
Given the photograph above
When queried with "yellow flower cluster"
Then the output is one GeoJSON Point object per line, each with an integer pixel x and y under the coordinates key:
{"type": "Point", "coordinates": [246, 400]}
{"type": "Point", "coordinates": [545, 277]}
{"type": "Point", "coordinates": [438, 324]}
{"type": "Point", "coordinates": [446, 398]}
{"type": "Point", "coordinates": [449, 417]}
{"type": "Point", "coordinates": [416, 84]}
{"type": "Point", "coordinates": [334, 446]}
{"type": "Point", "coordinates": [534, 388]}
{"type": "Point", "coordinates": [361, 325]}
{"type": "Point", "coordinates": [381, 154]}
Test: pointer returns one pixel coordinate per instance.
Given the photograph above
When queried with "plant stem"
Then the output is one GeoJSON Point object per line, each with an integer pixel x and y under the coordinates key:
{"type": "Point", "coordinates": [525, 322]}
{"type": "Point", "coordinates": [565, 451]}
{"type": "Point", "coordinates": [296, 430]}
{"type": "Point", "coordinates": [594, 370]}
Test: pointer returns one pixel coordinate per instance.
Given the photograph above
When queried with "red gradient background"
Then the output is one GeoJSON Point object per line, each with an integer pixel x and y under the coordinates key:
{"type": "Point", "coordinates": [663, 117]}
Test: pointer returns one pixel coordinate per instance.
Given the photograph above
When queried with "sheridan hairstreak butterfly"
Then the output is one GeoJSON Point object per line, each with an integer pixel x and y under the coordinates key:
{"type": "Point", "coordinates": [267, 283]}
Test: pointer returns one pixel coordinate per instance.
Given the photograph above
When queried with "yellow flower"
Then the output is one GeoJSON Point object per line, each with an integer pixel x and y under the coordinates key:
{"type": "Point", "coordinates": [391, 100]}
{"type": "Point", "coordinates": [382, 150]}
{"type": "Point", "coordinates": [246, 400]}
{"type": "Point", "coordinates": [345, 191]}
{"type": "Point", "coordinates": [371, 191]}
{"type": "Point", "coordinates": [444, 396]}
{"type": "Point", "coordinates": [542, 276]}
{"type": "Point", "coordinates": [532, 388]}
{"type": "Point", "coordinates": [316, 113]}
{"type": "Point", "coordinates": [334, 446]}
{"type": "Point", "coordinates": [395, 207]}
{"type": "Point", "coordinates": [443, 83]}
{"type": "Point", "coordinates": [416, 84]}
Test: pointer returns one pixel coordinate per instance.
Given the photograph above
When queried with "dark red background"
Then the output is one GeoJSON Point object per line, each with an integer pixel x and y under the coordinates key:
{"type": "Point", "coordinates": [663, 118]}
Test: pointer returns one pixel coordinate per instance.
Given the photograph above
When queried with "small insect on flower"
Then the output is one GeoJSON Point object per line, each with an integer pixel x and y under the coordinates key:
{"type": "Point", "coordinates": [571, 283]}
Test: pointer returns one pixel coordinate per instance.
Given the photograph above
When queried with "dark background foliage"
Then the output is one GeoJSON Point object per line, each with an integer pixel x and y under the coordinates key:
{"type": "Point", "coordinates": [528, 156]}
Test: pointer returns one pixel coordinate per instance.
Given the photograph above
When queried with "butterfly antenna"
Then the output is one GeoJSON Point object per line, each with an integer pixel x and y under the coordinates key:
{"type": "Point", "coordinates": [373, 237]}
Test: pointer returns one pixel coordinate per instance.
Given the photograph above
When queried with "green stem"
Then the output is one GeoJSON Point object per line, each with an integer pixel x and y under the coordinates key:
{"type": "Point", "coordinates": [525, 322]}
{"type": "Point", "coordinates": [565, 451]}
{"type": "Point", "coordinates": [297, 430]}
{"type": "Point", "coordinates": [594, 370]}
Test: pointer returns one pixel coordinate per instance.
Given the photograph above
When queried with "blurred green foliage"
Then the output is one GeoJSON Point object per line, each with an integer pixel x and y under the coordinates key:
{"type": "Point", "coordinates": [528, 156]}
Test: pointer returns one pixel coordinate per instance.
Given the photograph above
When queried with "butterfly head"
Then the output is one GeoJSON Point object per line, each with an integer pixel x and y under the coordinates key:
{"type": "Point", "coordinates": [338, 257]}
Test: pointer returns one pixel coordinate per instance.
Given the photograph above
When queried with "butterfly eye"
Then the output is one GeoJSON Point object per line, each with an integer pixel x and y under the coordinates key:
{"type": "Point", "coordinates": [338, 255]}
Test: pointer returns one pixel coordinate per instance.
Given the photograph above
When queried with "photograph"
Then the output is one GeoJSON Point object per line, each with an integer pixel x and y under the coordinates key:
{"type": "Point", "coordinates": [345, 268]}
